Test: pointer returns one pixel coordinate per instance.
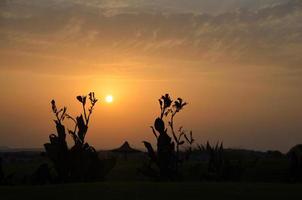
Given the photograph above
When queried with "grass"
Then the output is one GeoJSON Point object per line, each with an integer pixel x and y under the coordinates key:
{"type": "Point", "coordinates": [123, 182]}
{"type": "Point", "coordinates": [153, 190]}
{"type": "Point", "coordinates": [264, 170]}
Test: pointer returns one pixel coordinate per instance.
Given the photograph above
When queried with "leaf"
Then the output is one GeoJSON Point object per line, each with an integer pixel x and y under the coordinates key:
{"type": "Point", "coordinates": [217, 146]}
{"type": "Point", "coordinates": [64, 110]}
{"type": "Point", "coordinates": [187, 138]}
{"type": "Point", "coordinates": [73, 135]}
{"type": "Point", "coordinates": [221, 146]}
{"type": "Point", "coordinates": [154, 131]}
{"type": "Point", "coordinates": [150, 150]}
{"type": "Point", "coordinates": [208, 146]}
{"type": "Point", "coordinates": [159, 125]}
{"type": "Point", "coordinates": [160, 102]}
{"type": "Point", "coordinates": [82, 127]}
{"type": "Point", "coordinates": [79, 98]}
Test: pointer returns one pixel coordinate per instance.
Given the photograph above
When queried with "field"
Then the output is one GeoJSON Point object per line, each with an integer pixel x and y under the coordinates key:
{"type": "Point", "coordinates": [154, 190]}
{"type": "Point", "coordinates": [264, 179]}
{"type": "Point", "coordinates": [261, 168]}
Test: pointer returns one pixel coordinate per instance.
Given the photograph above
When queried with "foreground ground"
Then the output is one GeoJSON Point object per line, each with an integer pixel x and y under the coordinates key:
{"type": "Point", "coordinates": [153, 190]}
{"type": "Point", "coordinates": [124, 182]}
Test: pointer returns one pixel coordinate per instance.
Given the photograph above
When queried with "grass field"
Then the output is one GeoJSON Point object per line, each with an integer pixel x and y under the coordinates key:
{"type": "Point", "coordinates": [123, 182]}
{"type": "Point", "coordinates": [153, 190]}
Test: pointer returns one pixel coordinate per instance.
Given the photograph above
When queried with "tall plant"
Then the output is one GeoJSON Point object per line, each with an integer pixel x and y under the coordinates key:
{"type": "Point", "coordinates": [215, 155]}
{"type": "Point", "coordinates": [80, 162]}
{"type": "Point", "coordinates": [167, 155]}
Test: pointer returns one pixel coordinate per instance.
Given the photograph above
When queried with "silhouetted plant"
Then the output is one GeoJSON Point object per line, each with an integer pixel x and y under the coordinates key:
{"type": "Point", "coordinates": [295, 162]}
{"type": "Point", "coordinates": [214, 157]}
{"type": "Point", "coordinates": [218, 165]}
{"type": "Point", "coordinates": [167, 155]}
{"type": "Point", "coordinates": [176, 108]}
{"type": "Point", "coordinates": [80, 162]}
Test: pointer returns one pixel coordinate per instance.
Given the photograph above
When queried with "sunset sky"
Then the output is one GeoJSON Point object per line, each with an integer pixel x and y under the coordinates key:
{"type": "Point", "coordinates": [237, 63]}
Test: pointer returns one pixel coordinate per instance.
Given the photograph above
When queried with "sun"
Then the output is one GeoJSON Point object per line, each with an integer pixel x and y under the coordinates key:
{"type": "Point", "coordinates": [109, 98]}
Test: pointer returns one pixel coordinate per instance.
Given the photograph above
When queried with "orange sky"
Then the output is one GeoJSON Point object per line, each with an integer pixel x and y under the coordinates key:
{"type": "Point", "coordinates": [239, 71]}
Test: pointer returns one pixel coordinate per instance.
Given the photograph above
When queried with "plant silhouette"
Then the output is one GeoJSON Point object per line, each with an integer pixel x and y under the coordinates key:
{"type": "Point", "coordinates": [215, 158]}
{"type": "Point", "coordinates": [295, 162]}
{"type": "Point", "coordinates": [167, 156]}
{"type": "Point", "coordinates": [219, 167]}
{"type": "Point", "coordinates": [80, 162]}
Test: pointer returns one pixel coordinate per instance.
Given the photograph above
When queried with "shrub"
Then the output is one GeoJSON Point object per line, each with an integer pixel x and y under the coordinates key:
{"type": "Point", "coordinates": [167, 156]}
{"type": "Point", "coordinates": [219, 167]}
{"type": "Point", "coordinates": [213, 155]}
{"type": "Point", "coordinates": [80, 162]}
{"type": "Point", "coordinates": [295, 162]}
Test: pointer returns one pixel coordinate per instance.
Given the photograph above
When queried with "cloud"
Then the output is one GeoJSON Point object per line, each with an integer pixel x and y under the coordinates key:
{"type": "Point", "coordinates": [56, 35]}
{"type": "Point", "coordinates": [179, 6]}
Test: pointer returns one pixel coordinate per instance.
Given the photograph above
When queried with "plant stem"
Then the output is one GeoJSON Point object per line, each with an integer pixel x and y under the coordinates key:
{"type": "Point", "coordinates": [85, 114]}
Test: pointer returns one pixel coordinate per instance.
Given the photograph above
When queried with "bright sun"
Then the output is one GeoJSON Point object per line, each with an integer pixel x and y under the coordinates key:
{"type": "Point", "coordinates": [109, 98]}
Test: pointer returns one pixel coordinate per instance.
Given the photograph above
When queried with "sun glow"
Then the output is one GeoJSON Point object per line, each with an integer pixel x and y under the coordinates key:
{"type": "Point", "coordinates": [109, 98]}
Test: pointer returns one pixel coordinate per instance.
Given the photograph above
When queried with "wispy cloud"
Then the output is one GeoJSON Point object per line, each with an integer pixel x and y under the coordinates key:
{"type": "Point", "coordinates": [72, 32]}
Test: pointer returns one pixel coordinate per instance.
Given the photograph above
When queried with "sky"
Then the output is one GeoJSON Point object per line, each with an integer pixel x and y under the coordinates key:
{"type": "Point", "coordinates": [236, 62]}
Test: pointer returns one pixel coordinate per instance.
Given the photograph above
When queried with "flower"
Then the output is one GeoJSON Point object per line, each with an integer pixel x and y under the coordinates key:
{"type": "Point", "coordinates": [166, 100]}
{"type": "Point", "coordinates": [179, 104]}
{"type": "Point", "coordinates": [82, 99]}
{"type": "Point", "coordinates": [53, 106]}
{"type": "Point", "coordinates": [92, 98]}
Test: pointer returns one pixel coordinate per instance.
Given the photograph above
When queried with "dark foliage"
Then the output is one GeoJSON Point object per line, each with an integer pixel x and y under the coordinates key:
{"type": "Point", "coordinates": [166, 158]}
{"type": "Point", "coordinates": [80, 162]}
{"type": "Point", "coordinates": [214, 156]}
{"type": "Point", "coordinates": [219, 166]}
{"type": "Point", "coordinates": [295, 162]}
{"type": "Point", "coordinates": [190, 140]}
{"type": "Point", "coordinates": [42, 175]}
